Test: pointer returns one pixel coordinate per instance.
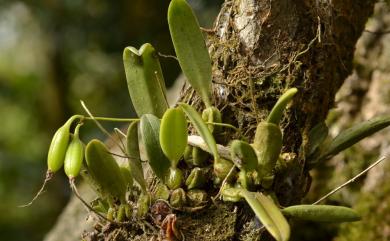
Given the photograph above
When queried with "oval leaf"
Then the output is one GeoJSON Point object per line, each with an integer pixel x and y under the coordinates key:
{"type": "Point", "coordinates": [133, 153]}
{"type": "Point", "coordinates": [322, 213]}
{"type": "Point", "coordinates": [243, 155]}
{"type": "Point", "coordinates": [104, 169]}
{"type": "Point", "coordinates": [190, 47]}
{"type": "Point", "coordinates": [173, 134]}
{"type": "Point", "coordinates": [145, 80]}
{"type": "Point", "coordinates": [150, 129]}
{"type": "Point", "coordinates": [354, 134]}
{"type": "Point", "coordinates": [201, 128]}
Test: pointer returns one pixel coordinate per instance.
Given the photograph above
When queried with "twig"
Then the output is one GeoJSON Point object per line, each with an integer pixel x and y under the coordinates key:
{"type": "Point", "coordinates": [223, 125]}
{"type": "Point", "coordinates": [100, 126]}
{"type": "Point", "coordinates": [350, 180]}
{"type": "Point", "coordinates": [120, 132]}
{"type": "Point", "coordinates": [377, 32]}
{"type": "Point", "coordinates": [117, 155]}
{"type": "Point", "coordinates": [167, 56]}
{"type": "Point", "coordinates": [224, 183]}
{"type": "Point", "coordinates": [198, 141]}
{"type": "Point", "coordinates": [75, 191]}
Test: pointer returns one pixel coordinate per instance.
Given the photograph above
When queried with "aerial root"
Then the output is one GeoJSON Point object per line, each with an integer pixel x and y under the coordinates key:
{"type": "Point", "coordinates": [49, 176]}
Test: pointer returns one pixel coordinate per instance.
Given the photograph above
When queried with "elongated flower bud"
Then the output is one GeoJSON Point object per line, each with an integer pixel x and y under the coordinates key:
{"type": "Point", "coordinates": [74, 156]}
{"type": "Point", "coordinates": [59, 145]}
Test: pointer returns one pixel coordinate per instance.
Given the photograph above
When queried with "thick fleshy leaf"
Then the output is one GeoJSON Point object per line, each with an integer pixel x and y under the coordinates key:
{"type": "Point", "coordinates": [268, 144]}
{"type": "Point", "coordinates": [242, 151]}
{"type": "Point", "coordinates": [277, 111]}
{"type": "Point", "coordinates": [173, 134]}
{"type": "Point", "coordinates": [322, 213]}
{"type": "Point", "coordinates": [354, 134]}
{"type": "Point", "coordinates": [133, 153]}
{"type": "Point", "coordinates": [201, 128]}
{"type": "Point", "coordinates": [269, 215]}
{"type": "Point", "coordinates": [150, 129]}
{"type": "Point", "coordinates": [190, 47]}
{"type": "Point", "coordinates": [145, 80]}
{"type": "Point", "coordinates": [104, 169]}
{"type": "Point", "coordinates": [126, 174]}
{"type": "Point", "coordinates": [265, 209]}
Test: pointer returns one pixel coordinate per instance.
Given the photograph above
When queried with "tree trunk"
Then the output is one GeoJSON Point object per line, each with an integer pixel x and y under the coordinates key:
{"type": "Point", "coordinates": [259, 48]}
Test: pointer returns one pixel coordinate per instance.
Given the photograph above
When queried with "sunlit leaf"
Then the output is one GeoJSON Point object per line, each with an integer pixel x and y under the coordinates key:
{"type": "Point", "coordinates": [173, 134]}
{"type": "Point", "coordinates": [266, 211]}
{"type": "Point", "coordinates": [145, 80]}
{"type": "Point", "coordinates": [190, 47]}
{"type": "Point", "coordinates": [201, 127]}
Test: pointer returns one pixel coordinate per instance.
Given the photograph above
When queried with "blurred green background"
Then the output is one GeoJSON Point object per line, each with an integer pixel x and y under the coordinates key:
{"type": "Point", "coordinates": [53, 54]}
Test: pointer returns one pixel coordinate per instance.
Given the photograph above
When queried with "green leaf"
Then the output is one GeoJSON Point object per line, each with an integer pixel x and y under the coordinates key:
{"type": "Point", "coordinates": [104, 169]}
{"type": "Point", "coordinates": [126, 174]}
{"type": "Point", "coordinates": [150, 129]}
{"type": "Point", "coordinates": [190, 47]}
{"type": "Point", "coordinates": [317, 136]}
{"type": "Point", "coordinates": [322, 213]}
{"type": "Point", "coordinates": [354, 134]}
{"type": "Point", "coordinates": [277, 111]}
{"type": "Point", "coordinates": [268, 144]}
{"type": "Point", "coordinates": [269, 215]}
{"type": "Point", "coordinates": [265, 209]}
{"type": "Point", "coordinates": [173, 134]}
{"type": "Point", "coordinates": [133, 153]}
{"type": "Point", "coordinates": [240, 150]}
{"type": "Point", "coordinates": [201, 128]}
{"type": "Point", "coordinates": [145, 80]}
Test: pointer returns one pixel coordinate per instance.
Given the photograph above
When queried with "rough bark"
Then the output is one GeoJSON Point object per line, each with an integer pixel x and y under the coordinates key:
{"type": "Point", "coordinates": [259, 48]}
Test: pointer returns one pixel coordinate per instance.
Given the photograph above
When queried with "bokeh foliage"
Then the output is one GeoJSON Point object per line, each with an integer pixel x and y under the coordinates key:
{"type": "Point", "coordinates": [52, 54]}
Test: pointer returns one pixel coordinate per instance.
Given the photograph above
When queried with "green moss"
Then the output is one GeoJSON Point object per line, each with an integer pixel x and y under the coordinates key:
{"type": "Point", "coordinates": [214, 223]}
